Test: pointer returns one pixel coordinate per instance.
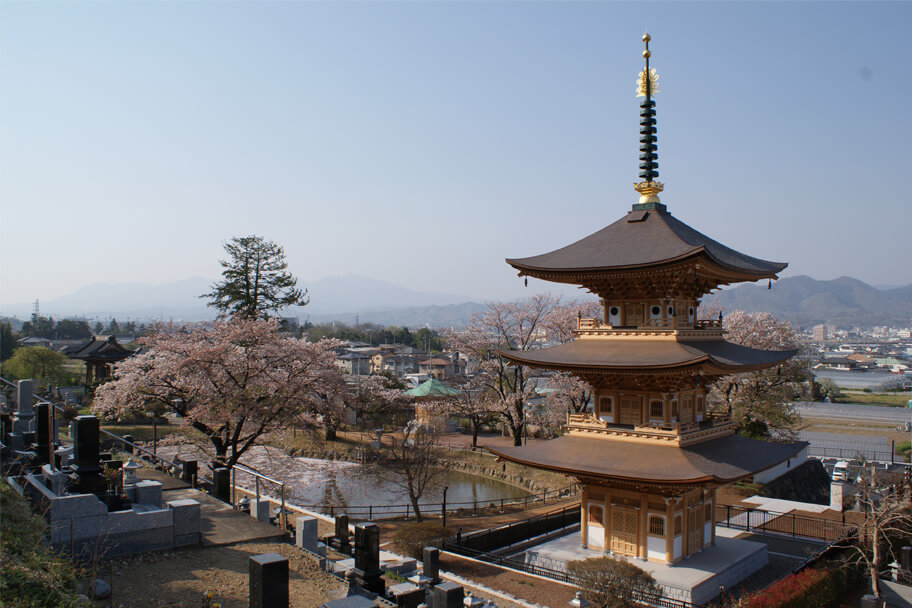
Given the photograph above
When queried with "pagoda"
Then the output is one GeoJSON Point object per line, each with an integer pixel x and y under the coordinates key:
{"type": "Point", "coordinates": [650, 455]}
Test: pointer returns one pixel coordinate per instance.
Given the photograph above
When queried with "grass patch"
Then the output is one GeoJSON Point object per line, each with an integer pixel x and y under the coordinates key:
{"type": "Point", "coordinates": [885, 399]}
{"type": "Point", "coordinates": [31, 574]}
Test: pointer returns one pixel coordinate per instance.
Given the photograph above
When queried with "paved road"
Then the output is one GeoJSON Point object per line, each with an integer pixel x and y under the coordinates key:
{"type": "Point", "coordinates": [855, 411]}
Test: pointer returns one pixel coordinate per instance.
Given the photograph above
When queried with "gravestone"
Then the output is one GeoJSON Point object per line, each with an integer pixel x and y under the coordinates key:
{"type": "Point", "coordinates": [221, 483]}
{"type": "Point", "coordinates": [341, 539]}
{"type": "Point", "coordinates": [430, 564]}
{"type": "Point", "coordinates": [367, 557]}
{"type": "Point", "coordinates": [22, 421]}
{"type": "Point", "coordinates": [406, 595]}
{"type": "Point", "coordinates": [470, 601]}
{"type": "Point", "coordinates": [306, 533]}
{"type": "Point", "coordinates": [85, 456]}
{"type": "Point", "coordinates": [268, 581]}
{"type": "Point", "coordinates": [189, 471]}
{"type": "Point", "coordinates": [448, 595]}
{"type": "Point", "coordinates": [43, 443]}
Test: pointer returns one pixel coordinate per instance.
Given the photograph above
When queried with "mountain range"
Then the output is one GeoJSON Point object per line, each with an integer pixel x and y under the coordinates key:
{"type": "Point", "coordinates": [846, 302]}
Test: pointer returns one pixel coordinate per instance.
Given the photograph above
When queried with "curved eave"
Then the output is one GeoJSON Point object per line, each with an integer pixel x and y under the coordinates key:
{"type": "Point", "coordinates": [717, 461]}
{"type": "Point", "coordinates": [706, 362]}
{"type": "Point", "coordinates": [565, 275]}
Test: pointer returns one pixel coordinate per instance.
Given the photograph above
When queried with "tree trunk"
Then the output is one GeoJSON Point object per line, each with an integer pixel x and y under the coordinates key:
{"type": "Point", "coordinates": [475, 425]}
{"type": "Point", "coordinates": [414, 501]}
{"type": "Point", "coordinates": [875, 561]}
{"type": "Point", "coordinates": [329, 432]}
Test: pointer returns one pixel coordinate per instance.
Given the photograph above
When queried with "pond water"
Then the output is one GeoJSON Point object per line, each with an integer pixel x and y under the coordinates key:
{"type": "Point", "coordinates": [319, 484]}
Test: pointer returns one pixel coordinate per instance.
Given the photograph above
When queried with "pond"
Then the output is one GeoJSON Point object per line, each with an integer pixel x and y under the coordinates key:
{"type": "Point", "coordinates": [365, 490]}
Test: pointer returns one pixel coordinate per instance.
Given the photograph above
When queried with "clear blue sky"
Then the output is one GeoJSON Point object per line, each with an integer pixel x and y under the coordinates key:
{"type": "Point", "coordinates": [424, 142]}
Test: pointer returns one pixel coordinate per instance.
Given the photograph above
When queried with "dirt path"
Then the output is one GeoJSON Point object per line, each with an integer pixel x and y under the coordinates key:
{"type": "Point", "coordinates": [179, 579]}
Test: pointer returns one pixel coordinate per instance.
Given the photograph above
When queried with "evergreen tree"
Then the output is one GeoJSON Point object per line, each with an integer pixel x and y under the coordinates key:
{"type": "Point", "coordinates": [254, 281]}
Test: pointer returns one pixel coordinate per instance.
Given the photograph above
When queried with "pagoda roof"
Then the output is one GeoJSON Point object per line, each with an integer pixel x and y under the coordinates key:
{"type": "Point", "coordinates": [716, 356]}
{"type": "Point", "coordinates": [432, 388]}
{"type": "Point", "coordinates": [721, 460]}
{"type": "Point", "coordinates": [644, 238]}
{"type": "Point", "coordinates": [108, 350]}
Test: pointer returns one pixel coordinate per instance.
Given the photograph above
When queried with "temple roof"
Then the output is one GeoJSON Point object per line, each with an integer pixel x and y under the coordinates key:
{"type": "Point", "coordinates": [717, 355]}
{"type": "Point", "coordinates": [432, 388]}
{"type": "Point", "coordinates": [109, 350]}
{"type": "Point", "coordinates": [720, 460]}
{"type": "Point", "coordinates": [640, 239]}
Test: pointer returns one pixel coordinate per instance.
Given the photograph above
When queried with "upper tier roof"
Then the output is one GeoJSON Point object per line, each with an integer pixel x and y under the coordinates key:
{"type": "Point", "coordinates": [641, 239]}
{"type": "Point", "coordinates": [720, 460]}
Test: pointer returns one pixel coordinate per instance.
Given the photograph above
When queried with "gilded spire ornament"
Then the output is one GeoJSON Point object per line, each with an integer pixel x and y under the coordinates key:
{"type": "Point", "coordinates": [647, 85]}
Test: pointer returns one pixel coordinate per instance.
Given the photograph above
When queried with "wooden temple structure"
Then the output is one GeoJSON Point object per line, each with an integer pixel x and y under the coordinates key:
{"type": "Point", "coordinates": [99, 356]}
{"type": "Point", "coordinates": [651, 454]}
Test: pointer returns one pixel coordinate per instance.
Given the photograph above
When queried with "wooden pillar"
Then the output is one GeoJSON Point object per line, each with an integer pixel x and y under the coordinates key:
{"type": "Point", "coordinates": [608, 522]}
{"type": "Point", "coordinates": [584, 517]}
{"type": "Point", "coordinates": [641, 532]}
{"type": "Point", "coordinates": [666, 408]}
{"type": "Point", "coordinates": [669, 530]}
{"type": "Point", "coordinates": [712, 526]}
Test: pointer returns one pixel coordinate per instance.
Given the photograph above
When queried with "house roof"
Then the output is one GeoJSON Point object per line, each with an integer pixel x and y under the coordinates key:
{"type": "Point", "coordinates": [586, 354]}
{"type": "Point", "coordinates": [435, 361]}
{"type": "Point", "coordinates": [432, 388]}
{"type": "Point", "coordinates": [640, 239]}
{"type": "Point", "coordinates": [720, 460]}
{"type": "Point", "coordinates": [108, 351]}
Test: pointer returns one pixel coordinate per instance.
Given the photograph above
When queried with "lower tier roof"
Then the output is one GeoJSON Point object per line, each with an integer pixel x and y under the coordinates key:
{"type": "Point", "coordinates": [720, 460]}
{"type": "Point", "coordinates": [582, 354]}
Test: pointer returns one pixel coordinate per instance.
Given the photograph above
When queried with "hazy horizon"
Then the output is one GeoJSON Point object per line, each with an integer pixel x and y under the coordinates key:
{"type": "Point", "coordinates": [422, 143]}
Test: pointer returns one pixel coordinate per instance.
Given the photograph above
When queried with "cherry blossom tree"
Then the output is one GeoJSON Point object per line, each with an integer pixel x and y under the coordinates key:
{"type": "Point", "coordinates": [379, 397]}
{"type": "Point", "coordinates": [473, 403]}
{"type": "Point", "coordinates": [504, 326]}
{"type": "Point", "coordinates": [233, 381]}
{"type": "Point", "coordinates": [570, 395]}
{"type": "Point", "coordinates": [761, 402]}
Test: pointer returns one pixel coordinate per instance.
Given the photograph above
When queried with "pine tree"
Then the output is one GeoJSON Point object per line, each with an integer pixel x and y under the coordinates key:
{"type": "Point", "coordinates": [254, 281]}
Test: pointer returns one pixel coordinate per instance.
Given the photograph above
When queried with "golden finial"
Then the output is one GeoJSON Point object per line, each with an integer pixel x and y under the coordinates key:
{"type": "Point", "coordinates": [647, 84]}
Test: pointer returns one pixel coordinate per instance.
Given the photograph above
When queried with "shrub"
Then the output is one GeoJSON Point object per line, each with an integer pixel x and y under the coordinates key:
{"type": "Point", "coordinates": [31, 575]}
{"type": "Point", "coordinates": [607, 582]}
{"type": "Point", "coordinates": [413, 538]}
{"type": "Point", "coordinates": [810, 588]}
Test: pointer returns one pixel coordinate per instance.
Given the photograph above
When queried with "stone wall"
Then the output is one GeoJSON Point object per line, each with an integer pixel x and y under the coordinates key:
{"type": "Point", "coordinates": [807, 483]}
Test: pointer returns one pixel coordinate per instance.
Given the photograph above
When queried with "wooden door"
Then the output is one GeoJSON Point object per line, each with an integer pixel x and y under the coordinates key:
{"type": "Point", "coordinates": [630, 410]}
{"type": "Point", "coordinates": [595, 526]}
{"type": "Point", "coordinates": [694, 529]}
{"type": "Point", "coordinates": [624, 531]}
{"type": "Point", "coordinates": [687, 408]}
{"type": "Point", "coordinates": [633, 315]}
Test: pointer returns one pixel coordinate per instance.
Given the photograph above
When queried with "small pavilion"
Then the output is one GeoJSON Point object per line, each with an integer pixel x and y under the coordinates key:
{"type": "Point", "coordinates": [429, 391]}
{"type": "Point", "coordinates": [651, 454]}
{"type": "Point", "coordinates": [99, 355]}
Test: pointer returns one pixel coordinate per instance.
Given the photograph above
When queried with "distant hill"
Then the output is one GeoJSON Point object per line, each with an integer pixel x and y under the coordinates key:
{"type": "Point", "coordinates": [336, 297]}
{"type": "Point", "coordinates": [845, 301]}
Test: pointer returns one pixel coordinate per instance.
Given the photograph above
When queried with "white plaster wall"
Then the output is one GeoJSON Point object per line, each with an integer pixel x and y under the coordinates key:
{"type": "Point", "coordinates": [596, 538]}
{"type": "Point", "coordinates": [677, 547]}
{"type": "Point", "coordinates": [782, 468]}
{"type": "Point", "coordinates": [609, 419]}
{"type": "Point", "coordinates": [707, 533]}
{"type": "Point", "coordinates": [655, 548]}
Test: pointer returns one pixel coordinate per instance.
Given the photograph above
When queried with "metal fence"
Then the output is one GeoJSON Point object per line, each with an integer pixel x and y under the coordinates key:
{"type": "Point", "coordinates": [791, 524]}
{"type": "Point", "coordinates": [509, 534]}
{"type": "Point", "coordinates": [851, 453]}
{"type": "Point", "coordinates": [656, 600]}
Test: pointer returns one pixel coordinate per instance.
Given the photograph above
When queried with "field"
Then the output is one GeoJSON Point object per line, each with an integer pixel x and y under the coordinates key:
{"type": "Point", "coordinates": [887, 399]}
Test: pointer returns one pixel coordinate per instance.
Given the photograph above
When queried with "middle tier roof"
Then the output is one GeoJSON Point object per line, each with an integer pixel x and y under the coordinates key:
{"type": "Point", "coordinates": [712, 357]}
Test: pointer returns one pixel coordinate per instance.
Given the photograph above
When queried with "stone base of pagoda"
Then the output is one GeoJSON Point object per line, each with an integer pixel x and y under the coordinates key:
{"type": "Point", "coordinates": [695, 579]}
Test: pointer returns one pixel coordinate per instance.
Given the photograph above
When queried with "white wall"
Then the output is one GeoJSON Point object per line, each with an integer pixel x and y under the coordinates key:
{"type": "Point", "coordinates": [782, 468]}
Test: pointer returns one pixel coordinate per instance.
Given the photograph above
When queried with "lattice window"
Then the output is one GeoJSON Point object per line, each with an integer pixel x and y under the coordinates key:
{"type": "Point", "coordinates": [656, 409]}
{"type": "Point", "coordinates": [656, 525]}
{"type": "Point", "coordinates": [606, 406]}
{"type": "Point", "coordinates": [596, 514]}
